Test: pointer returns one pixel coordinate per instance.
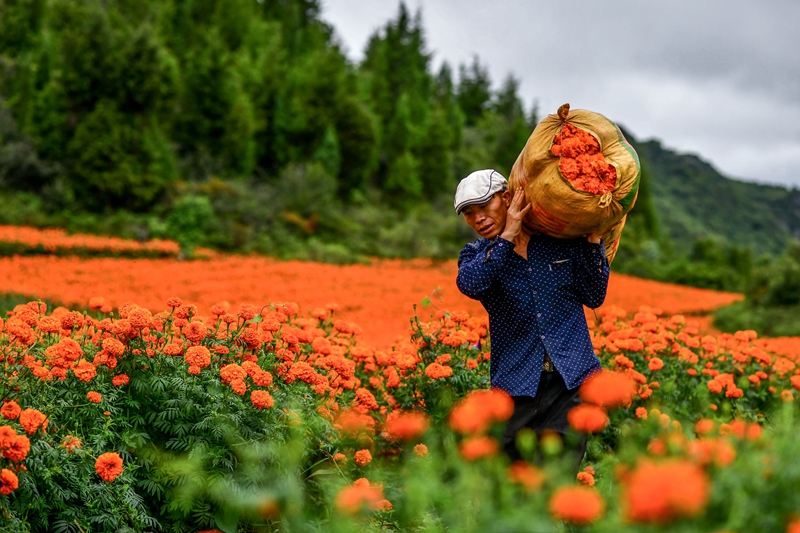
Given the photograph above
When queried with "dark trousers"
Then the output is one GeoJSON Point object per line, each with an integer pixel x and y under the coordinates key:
{"type": "Point", "coordinates": [546, 411]}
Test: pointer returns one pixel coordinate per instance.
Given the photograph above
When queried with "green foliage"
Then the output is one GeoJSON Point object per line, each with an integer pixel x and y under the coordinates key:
{"type": "Point", "coordinates": [772, 299]}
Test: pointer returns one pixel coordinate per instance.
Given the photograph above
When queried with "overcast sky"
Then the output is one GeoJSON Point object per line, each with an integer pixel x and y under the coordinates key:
{"type": "Point", "coordinates": [718, 78]}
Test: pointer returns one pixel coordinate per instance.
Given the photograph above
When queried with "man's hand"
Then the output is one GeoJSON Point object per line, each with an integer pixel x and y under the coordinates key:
{"type": "Point", "coordinates": [515, 214]}
{"type": "Point", "coordinates": [594, 237]}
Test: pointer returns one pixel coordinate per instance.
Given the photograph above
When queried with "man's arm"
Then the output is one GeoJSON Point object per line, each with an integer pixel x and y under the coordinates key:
{"type": "Point", "coordinates": [591, 272]}
{"type": "Point", "coordinates": [479, 267]}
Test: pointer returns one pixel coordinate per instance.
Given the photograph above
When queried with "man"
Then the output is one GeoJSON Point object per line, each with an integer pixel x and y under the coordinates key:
{"type": "Point", "coordinates": [534, 288]}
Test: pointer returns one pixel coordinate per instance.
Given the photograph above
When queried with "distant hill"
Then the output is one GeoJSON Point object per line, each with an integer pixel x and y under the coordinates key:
{"type": "Point", "coordinates": [693, 200]}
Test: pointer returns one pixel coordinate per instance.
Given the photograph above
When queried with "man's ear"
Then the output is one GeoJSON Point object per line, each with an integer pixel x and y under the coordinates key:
{"type": "Point", "coordinates": [506, 196]}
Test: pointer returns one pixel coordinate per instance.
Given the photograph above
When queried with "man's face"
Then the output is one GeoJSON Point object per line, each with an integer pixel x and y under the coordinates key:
{"type": "Point", "coordinates": [488, 219]}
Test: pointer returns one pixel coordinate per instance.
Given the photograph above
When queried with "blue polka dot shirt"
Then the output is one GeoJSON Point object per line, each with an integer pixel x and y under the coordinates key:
{"type": "Point", "coordinates": [535, 306]}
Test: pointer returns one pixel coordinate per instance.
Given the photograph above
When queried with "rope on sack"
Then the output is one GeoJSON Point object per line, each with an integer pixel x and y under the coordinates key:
{"type": "Point", "coordinates": [605, 200]}
{"type": "Point", "coordinates": [563, 111]}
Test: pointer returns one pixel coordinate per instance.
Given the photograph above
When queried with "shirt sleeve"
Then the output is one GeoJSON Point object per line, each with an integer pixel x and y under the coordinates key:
{"type": "Point", "coordinates": [591, 273]}
{"type": "Point", "coordinates": [479, 266]}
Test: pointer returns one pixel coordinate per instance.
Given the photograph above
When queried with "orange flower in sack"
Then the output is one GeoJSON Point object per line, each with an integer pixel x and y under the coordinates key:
{"type": "Point", "coordinates": [582, 163]}
{"type": "Point", "coordinates": [577, 504]}
{"type": "Point", "coordinates": [608, 389]}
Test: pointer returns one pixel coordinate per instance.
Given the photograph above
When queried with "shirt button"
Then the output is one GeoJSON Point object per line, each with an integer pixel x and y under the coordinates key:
{"type": "Point", "coordinates": [542, 337]}
{"type": "Point", "coordinates": [534, 292]}
{"type": "Point", "coordinates": [530, 270]}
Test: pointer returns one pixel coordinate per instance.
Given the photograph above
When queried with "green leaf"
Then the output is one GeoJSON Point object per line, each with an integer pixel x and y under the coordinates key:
{"type": "Point", "coordinates": [425, 302]}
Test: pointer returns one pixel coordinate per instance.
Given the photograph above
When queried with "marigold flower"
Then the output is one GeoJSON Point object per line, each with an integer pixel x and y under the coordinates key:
{"type": "Point", "coordinates": [261, 399]}
{"type": "Point", "coordinates": [120, 380]}
{"type": "Point", "coordinates": [108, 466]}
{"type": "Point", "coordinates": [407, 426]}
{"type": "Point", "coordinates": [704, 426]}
{"type": "Point", "coordinates": [608, 389]}
{"type": "Point", "coordinates": [31, 420]}
{"type": "Point", "coordinates": [71, 442]}
{"type": "Point", "coordinates": [340, 458]}
{"type": "Point", "coordinates": [94, 397]}
{"type": "Point", "coordinates": [198, 356]}
{"type": "Point", "coordinates": [113, 347]}
{"type": "Point", "coordinates": [576, 504]}
{"type": "Point", "coordinates": [351, 499]}
{"type": "Point", "coordinates": [662, 492]}
{"type": "Point", "coordinates": [586, 478]}
{"type": "Point", "coordinates": [587, 418]}
{"type": "Point", "coordinates": [527, 475]}
{"type": "Point", "coordinates": [231, 372]}
{"type": "Point", "coordinates": [16, 448]}
{"type": "Point", "coordinates": [10, 410]}
{"type": "Point", "coordinates": [641, 412]}
{"type": "Point", "coordinates": [383, 505]}
{"type": "Point", "coordinates": [9, 482]}
{"type": "Point", "coordinates": [655, 364]}
{"type": "Point", "coordinates": [239, 386]}
{"type": "Point", "coordinates": [365, 400]}
{"type": "Point", "coordinates": [84, 371]}
{"type": "Point", "coordinates": [421, 450]}
{"type": "Point", "coordinates": [195, 331]}
{"type": "Point", "coordinates": [174, 302]}
{"type": "Point", "coordinates": [480, 409]}
{"type": "Point", "coordinates": [437, 371]}
{"type": "Point", "coordinates": [172, 349]}
{"type": "Point", "coordinates": [477, 447]}
{"type": "Point", "coordinates": [362, 457]}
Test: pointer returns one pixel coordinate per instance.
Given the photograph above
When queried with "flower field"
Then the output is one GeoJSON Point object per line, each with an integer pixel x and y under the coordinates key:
{"type": "Point", "coordinates": [264, 419]}
{"type": "Point", "coordinates": [22, 240]}
{"type": "Point", "coordinates": [379, 296]}
{"type": "Point", "coordinates": [235, 395]}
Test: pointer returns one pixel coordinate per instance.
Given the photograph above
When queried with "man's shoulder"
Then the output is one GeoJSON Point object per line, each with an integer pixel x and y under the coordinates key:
{"type": "Point", "coordinates": [477, 245]}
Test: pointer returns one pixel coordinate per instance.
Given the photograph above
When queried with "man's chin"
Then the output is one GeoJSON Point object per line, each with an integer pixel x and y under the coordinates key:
{"type": "Point", "coordinates": [490, 234]}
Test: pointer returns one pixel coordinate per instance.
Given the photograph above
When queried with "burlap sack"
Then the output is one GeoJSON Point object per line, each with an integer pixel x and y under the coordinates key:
{"type": "Point", "coordinates": [557, 207]}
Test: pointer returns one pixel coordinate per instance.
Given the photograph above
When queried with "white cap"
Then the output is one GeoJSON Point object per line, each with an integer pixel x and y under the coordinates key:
{"type": "Point", "coordinates": [478, 188]}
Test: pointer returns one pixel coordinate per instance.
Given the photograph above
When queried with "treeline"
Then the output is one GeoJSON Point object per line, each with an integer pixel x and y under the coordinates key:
{"type": "Point", "coordinates": [242, 125]}
{"type": "Point", "coordinates": [133, 106]}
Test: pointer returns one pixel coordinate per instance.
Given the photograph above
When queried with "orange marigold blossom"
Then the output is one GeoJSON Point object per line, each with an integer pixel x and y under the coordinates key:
{"type": "Point", "coordinates": [421, 450]}
{"type": "Point", "coordinates": [586, 478]}
{"type": "Point", "coordinates": [9, 482]}
{"type": "Point", "coordinates": [576, 504]}
{"type": "Point", "coordinates": [108, 466]}
{"type": "Point", "coordinates": [71, 442]}
{"type": "Point", "coordinates": [353, 498]}
{"type": "Point", "coordinates": [16, 448]}
{"type": "Point", "coordinates": [32, 419]}
{"type": "Point", "coordinates": [362, 457]}
{"type": "Point", "coordinates": [261, 399]}
{"type": "Point", "coordinates": [407, 426]}
{"type": "Point", "coordinates": [198, 356]}
{"type": "Point", "coordinates": [527, 475]}
{"type": "Point", "coordinates": [587, 418]}
{"type": "Point", "coordinates": [608, 389]}
{"type": "Point", "coordinates": [10, 410]}
{"type": "Point", "coordinates": [438, 371]}
{"type": "Point", "coordinates": [480, 409]}
{"type": "Point", "coordinates": [120, 380]}
{"type": "Point", "coordinates": [662, 492]}
{"type": "Point", "coordinates": [477, 447]}
{"type": "Point", "coordinates": [94, 397]}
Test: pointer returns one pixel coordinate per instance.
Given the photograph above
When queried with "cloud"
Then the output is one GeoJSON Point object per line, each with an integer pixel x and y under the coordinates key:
{"type": "Point", "coordinates": [717, 78]}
